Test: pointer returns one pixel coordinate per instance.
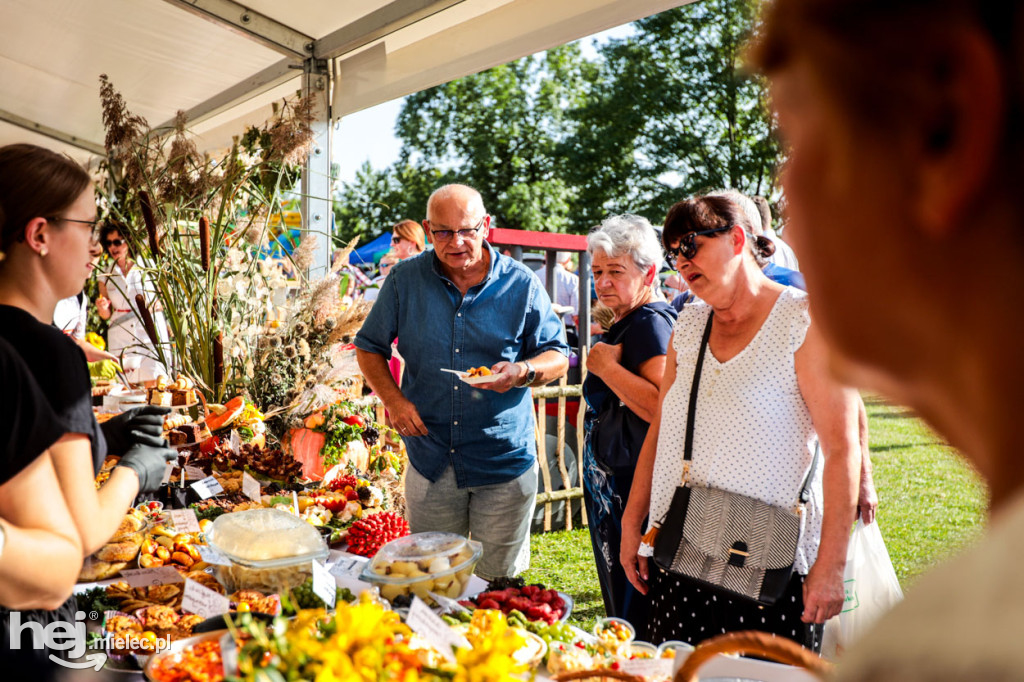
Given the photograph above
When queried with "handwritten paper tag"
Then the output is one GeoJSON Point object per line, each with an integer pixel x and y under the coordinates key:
{"type": "Point", "coordinates": [251, 487]}
{"type": "Point", "coordinates": [235, 442]}
{"type": "Point", "coordinates": [145, 577]}
{"type": "Point", "coordinates": [212, 556]}
{"type": "Point", "coordinates": [430, 627]}
{"type": "Point", "coordinates": [207, 488]}
{"type": "Point", "coordinates": [203, 601]}
{"type": "Point", "coordinates": [647, 667]}
{"type": "Point", "coordinates": [184, 520]}
{"type": "Point", "coordinates": [194, 473]}
{"type": "Point", "coordinates": [323, 584]}
{"type": "Point", "coordinates": [349, 567]}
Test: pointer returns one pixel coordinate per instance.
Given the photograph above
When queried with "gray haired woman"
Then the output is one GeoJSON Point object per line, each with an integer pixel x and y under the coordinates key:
{"type": "Point", "coordinates": [621, 390]}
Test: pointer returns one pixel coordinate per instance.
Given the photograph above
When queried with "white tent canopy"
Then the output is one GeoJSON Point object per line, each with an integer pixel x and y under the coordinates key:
{"type": "Point", "coordinates": [224, 63]}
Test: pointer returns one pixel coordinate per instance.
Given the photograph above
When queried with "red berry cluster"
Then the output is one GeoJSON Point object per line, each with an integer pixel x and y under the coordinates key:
{"type": "Point", "coordinates": [369, 534]}
{"type": "Point", "coordinates": [343, 481]}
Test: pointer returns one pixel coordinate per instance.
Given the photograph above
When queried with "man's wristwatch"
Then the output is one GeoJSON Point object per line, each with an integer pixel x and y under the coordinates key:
{"type": "Point", "coordinates": [531, 374]}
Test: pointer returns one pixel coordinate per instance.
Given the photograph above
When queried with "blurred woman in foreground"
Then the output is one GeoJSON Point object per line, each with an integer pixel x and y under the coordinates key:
{"type": "Point", "coordinates": [904, 127]}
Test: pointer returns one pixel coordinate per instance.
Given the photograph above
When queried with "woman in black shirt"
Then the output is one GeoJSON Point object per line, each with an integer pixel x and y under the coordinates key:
{"type": "Point", "coordinates": [48, 210]}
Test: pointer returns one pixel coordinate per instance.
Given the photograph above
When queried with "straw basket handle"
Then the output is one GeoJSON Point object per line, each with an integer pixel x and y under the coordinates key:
{"type": "Point", "coordinates": [599, 674]}
{"type": "Point", "coordinates": [761, 644]}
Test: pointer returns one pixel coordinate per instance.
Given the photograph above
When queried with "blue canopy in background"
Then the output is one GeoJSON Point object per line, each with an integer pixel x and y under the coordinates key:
{"type": "Point", "coordinates": [371, 252]}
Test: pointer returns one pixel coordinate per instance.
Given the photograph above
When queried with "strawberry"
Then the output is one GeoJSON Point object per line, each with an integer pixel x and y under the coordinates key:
{"type": "Point", "coordinates": [488, 604]}
{"type": "Point", "coordinates": [369, 534]}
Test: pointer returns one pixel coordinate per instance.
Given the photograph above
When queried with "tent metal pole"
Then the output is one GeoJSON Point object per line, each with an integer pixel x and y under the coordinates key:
{"type": "Point", "coordinates": [317, 217]}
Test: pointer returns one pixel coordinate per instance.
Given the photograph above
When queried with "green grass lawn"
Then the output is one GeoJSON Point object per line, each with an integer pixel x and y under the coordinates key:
{"type": "Point", "coordinates": [931, 504]}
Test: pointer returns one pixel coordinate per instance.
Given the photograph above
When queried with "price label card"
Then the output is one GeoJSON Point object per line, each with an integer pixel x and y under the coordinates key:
{"type": "Point", "coordinates": [324, 585]}
{"type": "Point", "coordinates": [145, 577]}
{"type": "Point", "coordinates": [212, 556]}
{"type": "Point", "coordinates": [167, 473]}
{"type": "Point", "coordinates": [648, 667]}
{"type": "Point", "coordinates": [251, 487]}
{"type": "Point", "coordinates": [184, 520]}
{"type": "Point", "coordinates": [430, 627]}
{"type": "Point", "coordinates": [349, 567]}
{"type": "Point", "coordinates": [235, 441]}
{"type": "Point", "coordinates": [194, 473]}
{"type": "Point", "coordinates": [207, 488]}
{"type": "Point", "coordinates": [229, 654]}
{"type": "Point", "coordinates": [203, 601]}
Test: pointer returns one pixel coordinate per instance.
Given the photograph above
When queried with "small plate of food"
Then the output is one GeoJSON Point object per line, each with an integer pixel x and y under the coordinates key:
{"type": "Point", "coordinates": [475, 375]}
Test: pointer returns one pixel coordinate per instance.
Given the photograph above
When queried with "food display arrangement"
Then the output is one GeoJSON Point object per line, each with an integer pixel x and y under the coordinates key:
{"type": "Point", "coordinates": [234, 539]}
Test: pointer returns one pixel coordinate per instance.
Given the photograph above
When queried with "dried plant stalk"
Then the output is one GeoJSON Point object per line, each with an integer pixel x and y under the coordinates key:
{"type": "Point", "coordinates": [146, 203]}
{"type": "Point", "coordinates": [204, 243]}
{"type": "Point", "coordinates": [147, 320]}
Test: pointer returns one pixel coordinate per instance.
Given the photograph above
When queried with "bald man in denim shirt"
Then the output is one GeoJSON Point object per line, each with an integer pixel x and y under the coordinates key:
{"type": "Point", "coordinates": [472, 449]}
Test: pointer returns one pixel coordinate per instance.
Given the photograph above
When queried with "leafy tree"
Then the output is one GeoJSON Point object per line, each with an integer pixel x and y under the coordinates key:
{"type": "Point", "coordinates": [498, 131]}
{"type": "Point", "coordinates": [674, 114]}
{"type": "Point", "coordinates": [377, 199]}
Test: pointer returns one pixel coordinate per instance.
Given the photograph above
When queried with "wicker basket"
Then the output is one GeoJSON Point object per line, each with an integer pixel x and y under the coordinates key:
{"type": "Point", "coordinates": [755, 643]}
{"type": "Point", "coordinates": [599, 675]}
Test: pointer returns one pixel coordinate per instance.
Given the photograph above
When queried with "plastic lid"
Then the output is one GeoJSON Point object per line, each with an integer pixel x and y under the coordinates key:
{"type": "Point", "coordinates": [423, 549]}
{"type": "Point", "coordinates": [266, 538]}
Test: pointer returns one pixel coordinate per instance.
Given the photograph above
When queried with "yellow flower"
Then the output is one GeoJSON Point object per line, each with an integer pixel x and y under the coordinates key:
{"type": "Point", "coordinates": [96, 340]}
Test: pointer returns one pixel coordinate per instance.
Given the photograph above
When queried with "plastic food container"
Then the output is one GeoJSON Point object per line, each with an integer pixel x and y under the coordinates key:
{"type": "Point", "coordinates": [270, 550]}
{"type": "Point", "coordinates": [615, 635]}
{"type": "Point", "coordinates": [422, 563]}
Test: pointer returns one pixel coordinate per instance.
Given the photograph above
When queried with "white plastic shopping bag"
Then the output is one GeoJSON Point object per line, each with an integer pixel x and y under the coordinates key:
{"type": "Point", "coordinates": [871, 589]}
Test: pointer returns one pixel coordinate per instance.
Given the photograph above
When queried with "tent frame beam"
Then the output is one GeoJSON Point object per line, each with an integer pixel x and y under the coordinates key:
{"type": "Point", "coordinates": [251, 24]}
{"type": "Point", "coordinates": [393, 17]}
{"type": "Point", "coordinates": [52, 133]}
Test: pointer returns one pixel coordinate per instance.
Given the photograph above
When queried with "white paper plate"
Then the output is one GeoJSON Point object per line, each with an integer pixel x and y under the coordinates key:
{"type": "Point", "coordinates": [466, 379]}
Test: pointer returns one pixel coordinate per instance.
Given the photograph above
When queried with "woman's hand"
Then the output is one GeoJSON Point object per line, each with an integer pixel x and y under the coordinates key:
{"type": "Point", "coordinates": [103, 306]}
{"type": "Point", "coordinates": [633, 565]}
{"type": "Point", "coordinates": [823, 593]}
{"type": "Point", "coordinates": [604, 356]}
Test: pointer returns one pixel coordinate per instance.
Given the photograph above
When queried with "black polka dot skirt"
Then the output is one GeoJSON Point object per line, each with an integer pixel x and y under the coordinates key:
{"type": "Point", "coordinates": [681, 611]}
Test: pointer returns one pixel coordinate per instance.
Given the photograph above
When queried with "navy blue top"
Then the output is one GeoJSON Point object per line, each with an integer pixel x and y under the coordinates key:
{"type": "Point", "coordinates": [644, 334]}
{"type": "Point", "coordinates": [487, 437]}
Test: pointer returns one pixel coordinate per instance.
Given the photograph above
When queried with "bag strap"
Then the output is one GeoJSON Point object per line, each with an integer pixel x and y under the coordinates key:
{"type": "Point", "coordinates": [692, 409]}
{"type": "Point", "coordinates": [805, 490]}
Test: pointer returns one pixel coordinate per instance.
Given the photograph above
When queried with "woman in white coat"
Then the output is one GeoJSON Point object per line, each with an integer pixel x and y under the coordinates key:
{"type": "Point", "coordinates": [126, 335]}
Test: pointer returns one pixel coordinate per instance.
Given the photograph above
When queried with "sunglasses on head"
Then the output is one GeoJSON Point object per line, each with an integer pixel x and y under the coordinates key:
{"type": "Point", "coordinates": [113, 242]}
{"type": "Point", "coordinates": [688, 243]}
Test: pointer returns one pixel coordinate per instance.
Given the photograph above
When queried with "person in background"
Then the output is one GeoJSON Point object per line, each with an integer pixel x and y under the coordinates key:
{"type": "Point", "coordinates": [766, 401]}
{"type": "Point", "coordinates": [407, 239]}
{"type": "Point", "coordinates": [621, 392]}
{"type": "Point", "coordinates": [372, 290]}
{"type": "Point", "coordinates": [567, 287]}
{"type": "Point", "coordinates": [472, 449]}
{"type": "Point", "coordinates": [903, 183]}
{"type": "Point", "coordinates": [126, 335]}
{"type": "Point", "coordinates": [784, 256]}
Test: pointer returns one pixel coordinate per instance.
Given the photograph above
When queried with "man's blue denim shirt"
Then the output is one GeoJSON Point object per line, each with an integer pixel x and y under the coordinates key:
{"type": "Point", "coordinates": [487, 437]}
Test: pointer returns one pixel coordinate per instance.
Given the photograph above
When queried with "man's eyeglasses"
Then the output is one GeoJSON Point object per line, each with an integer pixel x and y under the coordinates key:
{"type": "Point", "coordinates": [688, 243]}
{"type": "Point", "coordinates": [94, 225]}
{"type": "Point", "coordinates": [113, 242]}
{"type": "Point", "coordinates": [465, 233]}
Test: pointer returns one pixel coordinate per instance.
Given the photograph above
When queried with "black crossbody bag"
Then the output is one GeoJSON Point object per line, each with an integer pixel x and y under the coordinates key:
{"type": "Point", "coordinates": [730, 543]}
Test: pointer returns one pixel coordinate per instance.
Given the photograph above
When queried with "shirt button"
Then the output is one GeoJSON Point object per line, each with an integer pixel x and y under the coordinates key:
{"type": "Point", "coordinates": [456, 350]}
{"type": "Point", "coordinates": [458, 315]}
{"type": "Point", "coordinates": [456, 388]}
{"type": "Point", "coordinates": [456, 423]}
{"type": "Point", "coordinates": [453, 452]}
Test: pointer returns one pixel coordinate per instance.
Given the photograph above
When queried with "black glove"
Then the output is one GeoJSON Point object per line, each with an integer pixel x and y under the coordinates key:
{"type": "Point", "coordinates": [149, 462]}
{"type": "Point", "coordinates": [121, 431]}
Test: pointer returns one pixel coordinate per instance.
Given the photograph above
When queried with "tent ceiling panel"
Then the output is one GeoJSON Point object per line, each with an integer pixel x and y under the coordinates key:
{"type": "Point", "coordinates": [159, 57]}
{"type": "Point", "coordinates": [316, 18]}
{"type": "Point", "coordinates": [475, 35]}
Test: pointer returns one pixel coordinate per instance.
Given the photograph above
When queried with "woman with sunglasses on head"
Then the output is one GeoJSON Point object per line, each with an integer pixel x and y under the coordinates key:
{"type": "Point", "coordinates": [126, 335]}
{"type": "Point", "coordinates": [48, 210]}
{"type": "Point", "coordinates": [764, 400]}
